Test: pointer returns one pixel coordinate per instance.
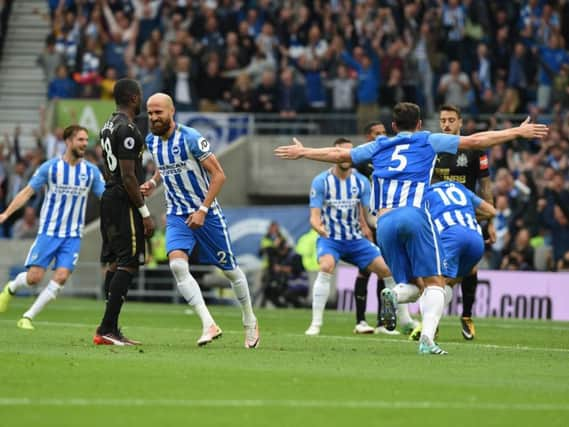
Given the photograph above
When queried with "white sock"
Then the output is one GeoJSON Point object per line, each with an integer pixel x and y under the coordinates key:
{"type": "Point", "coordinates": [389, 282]}
{"type": "Point", "coordinates": [432, 305]}
{"type": "Point", "coordinates": [403, 315]}
{"type": "Point", "coordinates": [190, 290]}
{"type": "Point", "coordinates": [320, 296]}
{"type": "Point", "coordinates": [241, 289]}
{"type": "Point", "coordinates": [406, 292]}
{"type": "Point", "coordinates": [48, 294]}
{"type": "Point", "coordinates": [448, 295]}
{"type": "Point", "coordinates": [19, 281]}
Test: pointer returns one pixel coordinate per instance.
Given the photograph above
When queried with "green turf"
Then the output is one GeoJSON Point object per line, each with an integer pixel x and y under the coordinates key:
{"type": "Point", "coordinates": [515, 372]}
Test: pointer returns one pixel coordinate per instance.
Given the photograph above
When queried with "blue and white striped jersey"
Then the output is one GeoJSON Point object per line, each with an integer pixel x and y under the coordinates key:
{"type": "Point", "coordinates": [63, 210]}
{"type": "Point", "coordinates": [339, 201]}
{"type": "Point", "coordinates": [179, 161]}
{"type": "Point", "coordinates": [451, 203]}
{"type": "Point", "coordinates": [403, 166]}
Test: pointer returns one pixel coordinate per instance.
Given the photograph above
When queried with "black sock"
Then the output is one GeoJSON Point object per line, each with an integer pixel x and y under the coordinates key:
{"type": "Point", "coordinates": [380, 287]}
{"type": "Point", "coordinates": [107, 285]}
{"type": "Point", "coordinates": [468, 287]}
{"type": "Point", "coordinates": [360, 295]}
{"type": "Point", "coordinates": [117, 294]}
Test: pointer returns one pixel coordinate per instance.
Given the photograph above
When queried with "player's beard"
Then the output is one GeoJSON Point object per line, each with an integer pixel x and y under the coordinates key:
{"type": "Point", "coordinates": [78, 154]}
{"type": "Point", "coordinates": [159, 128]}
{"type": "Point", "coordinates": [344, 167]}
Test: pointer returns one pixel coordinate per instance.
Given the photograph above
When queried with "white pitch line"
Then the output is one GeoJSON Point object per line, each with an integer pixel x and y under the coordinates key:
{"type": "Point", "coordinates": [335, 337]}
{"type": "Point", "coordinates": [263, 403]}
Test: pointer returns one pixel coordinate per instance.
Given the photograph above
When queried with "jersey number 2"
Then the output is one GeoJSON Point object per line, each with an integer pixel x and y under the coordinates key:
{"type": "Point", "coordinates": [109, 156]}
{"type": "Point", "coordinates": [398, 157]}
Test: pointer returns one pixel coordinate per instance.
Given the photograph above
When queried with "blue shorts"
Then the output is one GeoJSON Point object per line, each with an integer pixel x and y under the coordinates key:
{"type": "Point", "coordinates": [409, 244]}
{"type": "Point", "coordinates": [463, 249]}
{"type": "Point", "coordinates": [65, 251]}
{"type": "Point", "coordinates": [212, 239]}
{"type": "Point", "coordinates": [360, 252]}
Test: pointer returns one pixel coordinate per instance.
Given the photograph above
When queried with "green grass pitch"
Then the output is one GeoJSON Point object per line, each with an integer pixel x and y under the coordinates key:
{"type": "Point", "coordinates": [516, 373]}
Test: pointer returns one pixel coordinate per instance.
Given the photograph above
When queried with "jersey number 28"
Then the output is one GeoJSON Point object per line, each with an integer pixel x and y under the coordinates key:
{"type": "Point", "coordinates": [109, 156]}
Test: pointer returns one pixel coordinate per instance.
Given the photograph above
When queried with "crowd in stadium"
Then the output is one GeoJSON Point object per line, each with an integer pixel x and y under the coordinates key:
{"type": "Point", "coordinates": [490, 58]}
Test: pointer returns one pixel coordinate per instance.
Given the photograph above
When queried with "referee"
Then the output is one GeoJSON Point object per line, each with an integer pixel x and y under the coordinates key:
{"type": "Point", "coordinates": [470, 168]}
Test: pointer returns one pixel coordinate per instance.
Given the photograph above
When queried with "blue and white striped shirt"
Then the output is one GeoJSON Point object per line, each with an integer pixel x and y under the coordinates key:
{"type": "Point", "coordinates": [403, 166]}
{"type": "Point", "coordinates": [451, 203]}
{"type": "Point", "coordinates": [63, 210]}
{"type": "Point", "coordinates": [340, 201]}
{"type": "Point", "coordinates": [179, 161]}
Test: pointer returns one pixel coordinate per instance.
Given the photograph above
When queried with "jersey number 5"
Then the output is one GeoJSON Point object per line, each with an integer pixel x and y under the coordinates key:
{"type": "Point", "coordinates": [109, 156]}
{"type": "Point", "coordinates": [398, 157]}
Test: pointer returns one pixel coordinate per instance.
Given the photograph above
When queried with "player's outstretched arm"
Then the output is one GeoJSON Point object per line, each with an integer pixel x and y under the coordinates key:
{"type": "Point", "coordinates": [483, 140]}
{"type": "Point", "coordinates": [298, 151]}
{"type": "Point", "coordinates": [20, 200]}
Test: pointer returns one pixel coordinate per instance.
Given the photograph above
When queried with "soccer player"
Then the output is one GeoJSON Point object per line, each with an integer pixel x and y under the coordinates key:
{"type": "Point", "coordinates": [402, 170]}
{"type": "Point", "coordinates": [193, 178]}
{"type": "Point", "coordinates": [125, 219]}
{"type": "Point", "coordinates": [337, 198]}
{"type": "Point", "coordinates": [372, 131]}
{"type": "Point", "coordinates": [454, 209]}
{"type": "Point", "coordinates": [68, 179]}
{"type": "Point", "coordinates": [468, 168]}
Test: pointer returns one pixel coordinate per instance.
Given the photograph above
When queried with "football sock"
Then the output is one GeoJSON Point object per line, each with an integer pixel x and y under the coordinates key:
{"type": "Point", "coordinates": [389, 282]}
{"type": "Point", "coordinates": [117, 295]}
{"type": "Point", "coordinates": [448, 295]}
{"type": "Point", "coordinates": [360, 295]}
{"type": "Point", "coordinates": [320, 296]}
{"type": "Point", "coordinates": [403, 315]}
{"type": "Point", "coordinates": [468, 287]}
{"type": "Point", "coordinates": [380, 287]}
{"type": "Point", "coordinates": [190, 290]}
{"type": "Point", "coordinates": [406, 293]}
{"type": "Point", "coordinates": [240, 287]}
{"type": "Point", "coordinates": [107, 285]}
{"type": "Point", "coordinates": [48, 294]}
{"type": "Point", "coordinates": [20, 281]}
{"type": "Point", "coordinates": [432, 305]}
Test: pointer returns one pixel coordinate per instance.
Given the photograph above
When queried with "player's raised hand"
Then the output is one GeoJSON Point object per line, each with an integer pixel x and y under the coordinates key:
{"type": "Point", "coordinates": [148, 226]}
{"type": "Point", "coordinates": [196, 219]}
{"type": "Point", "coordinates": [533, 130]}
{"type": "Point", "coordinates": [290, 152]}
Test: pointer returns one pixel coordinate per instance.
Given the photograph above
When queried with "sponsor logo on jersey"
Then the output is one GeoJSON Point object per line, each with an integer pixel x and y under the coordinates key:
{"type": "Point", "coordinates": [484, 162]}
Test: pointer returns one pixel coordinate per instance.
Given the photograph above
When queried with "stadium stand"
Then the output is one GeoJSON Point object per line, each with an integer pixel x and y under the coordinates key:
{"type": "Point", "coordinates": [285, 61]}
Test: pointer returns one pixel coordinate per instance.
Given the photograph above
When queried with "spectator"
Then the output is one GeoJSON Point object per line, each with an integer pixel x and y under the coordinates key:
{"type": "Point", "coordinates": [292, 98]}
{"type": "Point", "coordinates": [50, 59]}
{"type": "Point", "coordinates": [266, 93]}
{"type": "Point", "coordinates": [62, 86]}
{"type": "Point", "coordinates": [520, 253]}
{"type": "Point", "coordinates": [454, 86]}
{"type": "Point", "coordinates": [242, 95]}
{"type": "Point", "coordinates": [27, 226]}
{"type": "Point", "coordinates": [343, 87]}
{"type": "Point", "coordinates": [551, 58]}
{"type": "Point", "coordinates": [180, 86]}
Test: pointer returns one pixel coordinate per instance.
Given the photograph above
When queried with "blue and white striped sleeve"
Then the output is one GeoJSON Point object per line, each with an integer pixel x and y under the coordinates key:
{"type": "Point", "coordinates": [317, 192]}
{"type": "Point", "coordinates": [40, 177]}
{"type": "Point", "coordinates": [444, 143]}
{"type": "Point", "coordinates": [198, 145]}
